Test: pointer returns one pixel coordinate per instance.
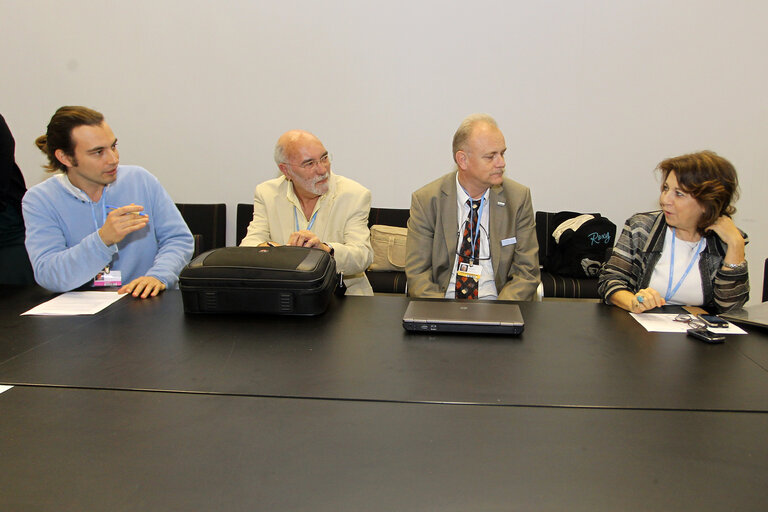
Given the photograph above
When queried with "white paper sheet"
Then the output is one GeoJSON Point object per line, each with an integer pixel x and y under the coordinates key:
{"type": "Point", "coordinates": [4, 388]}
{"type": "Point", "coordinates": [76, 303]}
{"type": "Point", "coordinates": [665, 322]}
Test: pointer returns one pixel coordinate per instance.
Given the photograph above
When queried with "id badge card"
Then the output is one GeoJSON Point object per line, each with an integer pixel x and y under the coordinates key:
{"type": "Point", "coordinates": [469, 270]}
{"type": "Point", "coordinates": [104, 279]}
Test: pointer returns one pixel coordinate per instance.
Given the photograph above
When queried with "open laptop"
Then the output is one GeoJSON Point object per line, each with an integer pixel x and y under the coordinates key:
{"type": "Point", "coordinates": [750, 315]}
{"type": "Point", "coordinates": [475, 316]}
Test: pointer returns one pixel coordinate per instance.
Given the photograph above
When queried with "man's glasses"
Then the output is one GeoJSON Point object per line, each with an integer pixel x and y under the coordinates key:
{"type": "Point", "coordinates": [690, 320]}
{"type": "Point", "coordinates": [311, 164]}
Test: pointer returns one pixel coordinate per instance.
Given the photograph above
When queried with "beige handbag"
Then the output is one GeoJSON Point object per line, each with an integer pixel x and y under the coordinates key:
{"type": "Point", "coordinates": [388, 244]}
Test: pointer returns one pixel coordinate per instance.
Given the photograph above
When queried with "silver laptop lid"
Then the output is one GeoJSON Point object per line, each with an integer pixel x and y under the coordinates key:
{"type": "Point", "coordinates": [485, 315]}
{"type": "Point", "coordinates": [751, 315]}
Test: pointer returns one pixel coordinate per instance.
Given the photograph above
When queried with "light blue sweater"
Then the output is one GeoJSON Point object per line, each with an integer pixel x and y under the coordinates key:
{"type": "Point", "coordinates": [62, 232]}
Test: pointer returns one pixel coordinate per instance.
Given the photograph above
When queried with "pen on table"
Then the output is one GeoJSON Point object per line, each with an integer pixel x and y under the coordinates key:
{"type": "Point", "coordinates": [116, 207]}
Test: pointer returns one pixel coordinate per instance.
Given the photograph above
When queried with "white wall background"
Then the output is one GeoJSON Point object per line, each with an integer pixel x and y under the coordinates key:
{"type": "Point", "coordinates": [591, 94]}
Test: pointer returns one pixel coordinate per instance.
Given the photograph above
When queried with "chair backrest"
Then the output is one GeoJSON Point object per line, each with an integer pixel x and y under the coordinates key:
{"type": "Point", "coordinates": [397, 217]}
{"type": "Point", "coordinates": [208, 224]}
{"type": "Point", "coordinates": [543, 230]}
{"type": "Point", "coordinates": [244, 217]}
{"type": "Point", "coordinates": [387, 281]}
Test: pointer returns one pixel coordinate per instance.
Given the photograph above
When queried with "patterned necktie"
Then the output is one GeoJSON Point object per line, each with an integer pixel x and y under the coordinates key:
{"type": "Point", "coordinates": [466, 287]}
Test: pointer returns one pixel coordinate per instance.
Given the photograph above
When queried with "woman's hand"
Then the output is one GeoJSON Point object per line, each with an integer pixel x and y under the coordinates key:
{"type": "Point", "coordinates": [731, 236]}
{"type": "Point", "coordinates": [643, 300]}
{"type": "Point", "coordinates": [646, 299]}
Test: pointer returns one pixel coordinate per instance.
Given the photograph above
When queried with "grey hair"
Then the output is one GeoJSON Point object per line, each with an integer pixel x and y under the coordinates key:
{"type": "Point", "coordinates": [465, 130]}
{"type": "Point", "coordinates": [279, 153]}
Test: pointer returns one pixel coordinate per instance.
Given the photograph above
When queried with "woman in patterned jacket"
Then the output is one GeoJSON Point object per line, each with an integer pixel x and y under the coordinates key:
{"type": "Point", "coordinates": [690, 252]}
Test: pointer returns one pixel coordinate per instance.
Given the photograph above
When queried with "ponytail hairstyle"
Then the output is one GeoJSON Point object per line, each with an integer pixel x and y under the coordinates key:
{"type": "Point", "coordinates": [59, 134]}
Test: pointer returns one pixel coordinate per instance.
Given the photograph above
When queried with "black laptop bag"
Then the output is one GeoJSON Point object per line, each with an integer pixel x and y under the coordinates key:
{"type": "Point", "coordinates": [274, 280]}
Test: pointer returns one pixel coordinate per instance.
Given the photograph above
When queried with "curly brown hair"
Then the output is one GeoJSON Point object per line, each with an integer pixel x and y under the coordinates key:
{"type": "Point", "coordinates": [709, 178]}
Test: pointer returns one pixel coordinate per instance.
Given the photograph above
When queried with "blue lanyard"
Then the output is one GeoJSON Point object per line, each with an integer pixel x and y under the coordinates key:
{"type": "Point", "coordinates": [103, 221]}
{"type": "Point", "coordinates": [103, 213]}
{"type": "Point", "coordinates": [476, 229]}
{"type": "Point", "coordinates": [670, 291]}
{"type": "Point", "coordinates": [296, 219]}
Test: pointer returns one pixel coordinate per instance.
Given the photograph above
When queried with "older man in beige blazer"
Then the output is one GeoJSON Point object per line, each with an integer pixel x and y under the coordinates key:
{"type": "Point", "coordinates": [510, 268]}
{"type": "Point", "coordinates": [308, 206]}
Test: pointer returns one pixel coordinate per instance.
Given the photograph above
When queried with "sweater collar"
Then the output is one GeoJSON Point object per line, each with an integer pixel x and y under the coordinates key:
{"type": "Point", "coordinates": [77, 193]}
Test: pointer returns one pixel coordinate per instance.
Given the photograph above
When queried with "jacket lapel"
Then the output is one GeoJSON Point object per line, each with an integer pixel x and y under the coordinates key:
{"type": "Point", "coordinates": [448, 215]}
{"type": "Point", "coordinates": [285, 209]}
{"type": "Point", "coordinates": [498, 223]}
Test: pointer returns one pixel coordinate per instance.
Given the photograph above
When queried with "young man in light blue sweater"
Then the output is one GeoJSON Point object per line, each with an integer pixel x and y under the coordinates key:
{"type": "Point", "coordinates": [100, 223]}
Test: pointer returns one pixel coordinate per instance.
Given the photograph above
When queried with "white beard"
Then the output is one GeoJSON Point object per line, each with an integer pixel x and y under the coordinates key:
{"type": "Point", "coordinates": [311, 185]}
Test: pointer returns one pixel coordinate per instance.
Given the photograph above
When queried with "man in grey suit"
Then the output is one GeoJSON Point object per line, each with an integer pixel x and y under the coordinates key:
{"type": "Point", "coordinates": [471, 233]}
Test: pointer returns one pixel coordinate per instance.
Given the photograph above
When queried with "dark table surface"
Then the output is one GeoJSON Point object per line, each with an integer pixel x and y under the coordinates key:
{"type": "Point", "coordinates": [571, 354]}
{"type": "Point", "coordinates": [101, 450]}
{"type": "Point", "coordinates": [141, 407]}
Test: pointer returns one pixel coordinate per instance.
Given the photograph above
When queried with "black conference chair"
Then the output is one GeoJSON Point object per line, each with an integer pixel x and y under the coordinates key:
{"type": "Point", "coordinates": [397, 217]}
{"type": "Point", "coordinates": [243, 218]}
{"type": "Point", "coordinates": [765, 281]}
{"type": "Point", "coordinates": [556, 285]}
{"type": "Point", "coordinates": [388, 281]}
{"type": "Point", "coordinates": [208, 224]}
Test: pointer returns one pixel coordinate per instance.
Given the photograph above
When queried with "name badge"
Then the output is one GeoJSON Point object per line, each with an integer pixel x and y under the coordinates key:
{"type": "Point", "coordinates": [508, 241]}
{"type": "Point", "coordinates": [112, 278]}
{"type": "Point", "coordinates": [469, 270]}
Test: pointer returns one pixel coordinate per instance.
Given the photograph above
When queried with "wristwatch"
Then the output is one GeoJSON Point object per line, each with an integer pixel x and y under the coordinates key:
{"type": "Point", "coordinates": [330, 247]}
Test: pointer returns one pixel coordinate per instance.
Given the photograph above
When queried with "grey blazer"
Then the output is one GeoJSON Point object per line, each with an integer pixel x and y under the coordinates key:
{"type": "Point", "coordinates": [432, 239]}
